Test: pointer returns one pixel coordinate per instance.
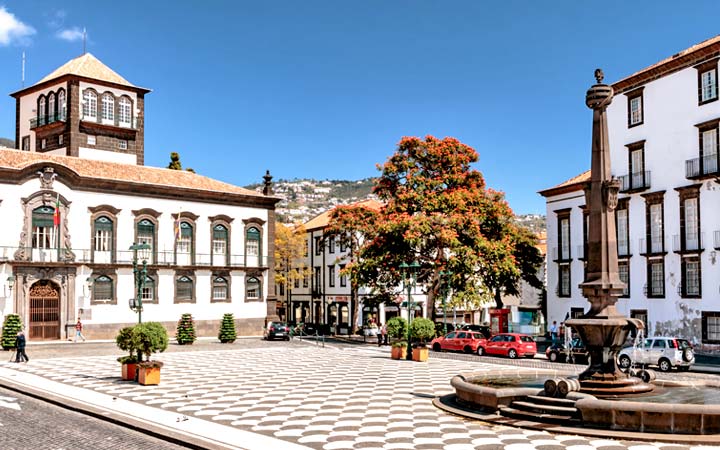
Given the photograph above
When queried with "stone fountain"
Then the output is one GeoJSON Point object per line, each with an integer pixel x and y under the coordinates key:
{"type": "Point", "coordinates": [603, 329]}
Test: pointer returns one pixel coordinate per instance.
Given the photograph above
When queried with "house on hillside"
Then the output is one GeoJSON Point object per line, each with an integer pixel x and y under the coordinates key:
{"type": "Point", "coordinates": [663, 131]}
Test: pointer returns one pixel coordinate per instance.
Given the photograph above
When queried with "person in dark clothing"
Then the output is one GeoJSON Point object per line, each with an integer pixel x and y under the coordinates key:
{"type": "Point", "coordinates": [20, 344]}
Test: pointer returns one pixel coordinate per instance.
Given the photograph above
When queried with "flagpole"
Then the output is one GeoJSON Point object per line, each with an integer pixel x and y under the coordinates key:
{"type": "Point", "coordinates": [56, 222]}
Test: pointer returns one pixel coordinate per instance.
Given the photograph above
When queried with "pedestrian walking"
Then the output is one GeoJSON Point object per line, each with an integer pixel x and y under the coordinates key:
{"type": "Point", "coordinates": [78, 331]}
{"type": "Point", "coordinates": [383, 332]}
{"type": "Point", "coordinates": [20, 345]}
{"type": "Point", "coordinates": [553, 331]}
{"type": "Point", "coordinates": [380, 335]}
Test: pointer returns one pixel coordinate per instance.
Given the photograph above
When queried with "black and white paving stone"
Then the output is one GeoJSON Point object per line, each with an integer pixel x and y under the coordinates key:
{"type": "Point", "coordinates": [323, 398]}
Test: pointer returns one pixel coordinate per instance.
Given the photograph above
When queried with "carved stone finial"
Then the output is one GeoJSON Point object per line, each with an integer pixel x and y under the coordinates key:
{"type": "Point", "coordinates": [267, 189]}
{"type": "Point", "coordinates": [47, 176]}
{"type": "Point", "coordinates": [599, 75]}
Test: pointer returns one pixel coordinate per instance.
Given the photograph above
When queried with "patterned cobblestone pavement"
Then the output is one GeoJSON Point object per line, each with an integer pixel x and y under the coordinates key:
{"type": "Point", "coordinates": [324, 398]}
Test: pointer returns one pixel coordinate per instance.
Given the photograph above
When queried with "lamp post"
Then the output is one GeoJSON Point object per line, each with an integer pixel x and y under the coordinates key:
{"type": "Point", "coordinates": [10, 283]}
{"type": "Point", "coordinates": [408, 271]}
{"type": "Point", "coordinates": [444, 288]}
{"type": "Point", "coordinates": [140, 274]}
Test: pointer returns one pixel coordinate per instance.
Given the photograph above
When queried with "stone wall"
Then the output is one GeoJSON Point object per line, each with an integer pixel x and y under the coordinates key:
{"type": "Point", "coordinates": [203, 328]}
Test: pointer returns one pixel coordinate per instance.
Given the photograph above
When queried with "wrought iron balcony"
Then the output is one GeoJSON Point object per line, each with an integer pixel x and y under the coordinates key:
{"type": "Point", "coordinates": [636, 181]}
{"type": "Point", "coordinates": [701, 167]}
{"type": "Point", "coordinates": [688, 243]}
{"type": "Point", "coordinates": [46, 120]}
{"type": "Point", "coordinates": [562, 253]}
{"type": "Point", "coordinates": [651, 246]}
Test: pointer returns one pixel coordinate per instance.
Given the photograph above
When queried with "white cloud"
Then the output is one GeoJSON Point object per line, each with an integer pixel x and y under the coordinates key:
{"type": "Point", "coordinates": [56, 19]}
{"type": "Point", "coordinates": [13, 30]}
{"type": "Point", "coordinates": [70, 34]}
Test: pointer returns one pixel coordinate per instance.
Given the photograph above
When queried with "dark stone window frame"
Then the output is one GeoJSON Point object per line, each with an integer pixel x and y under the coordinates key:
{"type": "Point", "coordinates": [631, 148]}
{"type": "Point", "coordinates": [709, 125]}
{"type": "Point", "coordinates": [153, 275]}
{"type": "Point", "coordinates": [228, 285]}
{"type": "Point", "coordinates": [623, 205]}
{"type": "Point", "coordinates": [648, 290]}
{"type": "Point", "coordinates": [343, 278]}
{"type": "Point", "coordinates": [226, 222]}
{"type": "Point", "coordinates": [188, 218]}
{"type": "Point", "coordinates": [331, 244]}
{"type": "Point", "coordinates": [576, 312]}
{"type": "Point", "coordinates": [256, 276]}
{"type": "Point", "coordinates": [258, 224]}
{"type": "Point", "coordinates": [112, 275]}
{"type": "Point", "coordinates": [641, 314]}
{"type": "Point", "coordinates": [651, 199]}
{"type": "Point", "coordinates": [683, 276]}
{"type": "Point", "coordinates": [152, 216]}
{"type": "Point", "coordinates": [560, 292]}
{"type": "Point", "coordinates": [686, 193]}
{"type": "Point", "coordinates": [111, 213]}
{"type": "Point", "coordinates": [180, 277]}
{"type": "Point", "coordinates": [331, 275]}
{"type": "Point", "coordinates": [586, 230]}
{"type": "Point", "coordinates": [561, 215]}
{"type": "Point", "coordinates": [626, 291]}
{"type": "Point", "coordinates": [704, 318]}
{"type": "Point", "coordinates": [317, 240]}
{"type": "Point", "coordinates": [707, 66]}
{"type": "Point", "coordinates": [630, 97]}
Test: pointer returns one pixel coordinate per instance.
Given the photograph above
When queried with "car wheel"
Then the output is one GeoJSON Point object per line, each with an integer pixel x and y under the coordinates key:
{"type": "Point", "coordinates": [512, 353]}
{"type": "Point", "coordinates": [664, 365]}
{"type": "Point", "coordinates": [480, 351]}
{"type": "Point", "coordinates": [625, 362]}
{"type": "Point", "coordinates": [467, 349]}
{"type": "Point", "coordinates": [553, 356]}
{"type": "Point", "coordinates": [687, 355]}
{"type": "Point", "coordinates": [436, 347]}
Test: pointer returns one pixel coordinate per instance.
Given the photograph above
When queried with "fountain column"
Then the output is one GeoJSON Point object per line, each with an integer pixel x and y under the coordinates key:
{"type": "Point", "coordinates": [603, 329]}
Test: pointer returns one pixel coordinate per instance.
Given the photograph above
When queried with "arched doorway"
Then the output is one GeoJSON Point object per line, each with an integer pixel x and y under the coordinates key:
{"type": "Point", "coordinates": [44, 311]}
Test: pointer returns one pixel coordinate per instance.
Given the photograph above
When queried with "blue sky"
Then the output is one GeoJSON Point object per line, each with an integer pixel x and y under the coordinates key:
{"type": "Point", "coordinates": [326, 89]}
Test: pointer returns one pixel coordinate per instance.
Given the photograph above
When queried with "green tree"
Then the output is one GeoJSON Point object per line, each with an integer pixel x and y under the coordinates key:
{"type": "Point", "coordinates": [227, 333]}
{"type": "Point", "coordinates": [10, 329]}
{"type": "Point", "coordinates": [437, 211]}
{"type": "Point", "coordinates": [185, 332]}
{"type": "Point", "coordinates": [289, 258]}
{"type": "Point", "coordinates": [175, 163]}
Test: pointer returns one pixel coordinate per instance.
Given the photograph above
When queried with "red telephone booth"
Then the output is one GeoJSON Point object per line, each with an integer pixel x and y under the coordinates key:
{"type": "Point", "coordinates": [499, 320]}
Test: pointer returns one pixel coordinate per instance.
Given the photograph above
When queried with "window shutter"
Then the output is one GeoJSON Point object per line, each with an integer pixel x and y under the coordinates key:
{"type": "Point", "coordinates": [103, 223]}
{"type": "Point", "coordinates": [220, 232]}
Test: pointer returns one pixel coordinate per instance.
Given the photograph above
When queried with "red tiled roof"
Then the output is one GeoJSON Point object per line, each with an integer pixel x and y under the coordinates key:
{"type": "Point", "coordinates": [573, 184]}
{"type": "Point", "coordinates": [126, 173]}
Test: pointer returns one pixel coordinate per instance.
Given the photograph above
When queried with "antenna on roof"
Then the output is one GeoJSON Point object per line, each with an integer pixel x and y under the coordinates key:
{"type": "Point", "coordinates": [23, 69]}
{"type": "Point", "coordinates": [84, 40]}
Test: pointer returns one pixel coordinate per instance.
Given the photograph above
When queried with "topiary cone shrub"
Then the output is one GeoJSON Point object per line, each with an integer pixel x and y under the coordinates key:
{"type": "Point", "coordinates": [185, 333]}
{"type": "Point", "coordinates": [10, 329]}
{"type": "Point", "coordinates": [227, 332]}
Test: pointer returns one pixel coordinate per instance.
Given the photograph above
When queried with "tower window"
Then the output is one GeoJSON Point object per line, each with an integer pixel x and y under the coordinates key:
{"type": "Point", "coordinates": [123, 145]}
{"type": "Point", "coordinates": [89, 105]}
{"type": "Point", "coordinates": [91, 140]}
{"type": "Point", "coordinates": [124, 116]}
{"type": "Point", "coordinates": [108, 107]}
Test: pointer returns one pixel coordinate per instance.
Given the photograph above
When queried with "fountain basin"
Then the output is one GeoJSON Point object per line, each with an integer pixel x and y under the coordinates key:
{"type": "Point", "coordinates": [635, 414]}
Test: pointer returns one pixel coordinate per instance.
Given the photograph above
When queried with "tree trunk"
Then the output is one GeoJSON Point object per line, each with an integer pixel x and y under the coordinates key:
{"type": "Point", "coordinates": [498, 299]}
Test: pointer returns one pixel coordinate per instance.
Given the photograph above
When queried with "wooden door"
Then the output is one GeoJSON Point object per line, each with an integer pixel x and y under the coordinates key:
{"type": "Point", "coordinates": [44, 311]}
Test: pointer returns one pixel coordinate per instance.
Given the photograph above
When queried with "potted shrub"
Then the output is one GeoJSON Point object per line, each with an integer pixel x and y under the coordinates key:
{"type": "Point", "coordinates": [421, 329]}
{"type": "Point", "coordinates": [10, 329]}
{"type": "Point", "coordinates": [185, 333]}
{"type": "Point", "coordinates": [397, 330]}
{"type": "Point", "coordinates": [129, 363]}
{"type": "Point", "coordinates": [149, 338]}
{"type": "Point", "coordinates": [227, 332]}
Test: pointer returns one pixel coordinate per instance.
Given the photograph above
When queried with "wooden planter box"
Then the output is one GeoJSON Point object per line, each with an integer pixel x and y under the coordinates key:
{"type": "Point", "coordinates": [148, 375]}
{"type": "Point", "coordinates": [420, 354]}
{"type": "Point", "coordinates": [398, 352]}
{"type": "Point", "coordinates": [129, 371]}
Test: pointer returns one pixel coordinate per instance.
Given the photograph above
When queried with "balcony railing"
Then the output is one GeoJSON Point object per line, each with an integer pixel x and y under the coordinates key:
{"type": "Point", "coordinates": [716, 239]}
{"type": "Point", "coordinates": [561, 254]}
{"type": "Point", "coordinates": [699, 167]}
{"type": "Point", "coordinates": [690, 244]}
{"type": "Point", "coordinates": [581, 252]}
{"type": "Point", "coordinates": [45, 120]}
{"type": "Point", "coordinates": [635, 181]}
{"type": "Point", "coordinates": [113, 123]}
{"type": "Point", "coordinates": [657, 245]}
{"type": "Point", "coordinates": [160, 258]}
{"type": "Point", "coordinates": [623, 248]}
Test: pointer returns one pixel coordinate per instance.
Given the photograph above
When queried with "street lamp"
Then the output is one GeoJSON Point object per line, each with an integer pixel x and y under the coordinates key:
{"type": "Point", "coordinates": [140, 274]}
{"type": "Point", "coordinates": [409, 273]}
{"type": "Point", "coordinates": [444, 288]}
{"type": "Point", "coordinates": [10, 283]}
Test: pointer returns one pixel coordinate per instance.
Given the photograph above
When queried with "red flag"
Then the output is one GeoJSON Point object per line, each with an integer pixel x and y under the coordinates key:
{"type": "Point", "coordinates": [56, 215]}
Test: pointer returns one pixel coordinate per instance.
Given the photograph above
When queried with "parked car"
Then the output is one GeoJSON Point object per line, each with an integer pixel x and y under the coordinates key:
{"type": "Point", "coordinates": [575, 352]}
{"type": "Point", "coordinates": [278, 330]}
{"type": "Point", "coordinates": [664, 352]}
{"type": "Point", "coordinates": [465, 341]}
{"type": "Point", "coordinates": [484, 329]}
{"type": "Point", "coordinates": [511, 345]}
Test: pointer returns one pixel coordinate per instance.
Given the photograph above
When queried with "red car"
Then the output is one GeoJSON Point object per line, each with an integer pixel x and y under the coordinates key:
{"type": "Point", "coordinates": [511, 345]}
{"type": "Point", "coordinates": [466, 341]}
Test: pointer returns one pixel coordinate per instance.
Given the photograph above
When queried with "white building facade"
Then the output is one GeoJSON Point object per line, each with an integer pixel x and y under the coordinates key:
{"type": "Point", "coordinates": [74, 197]}
{"type": "Point", "coordinates": [663, 129]}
